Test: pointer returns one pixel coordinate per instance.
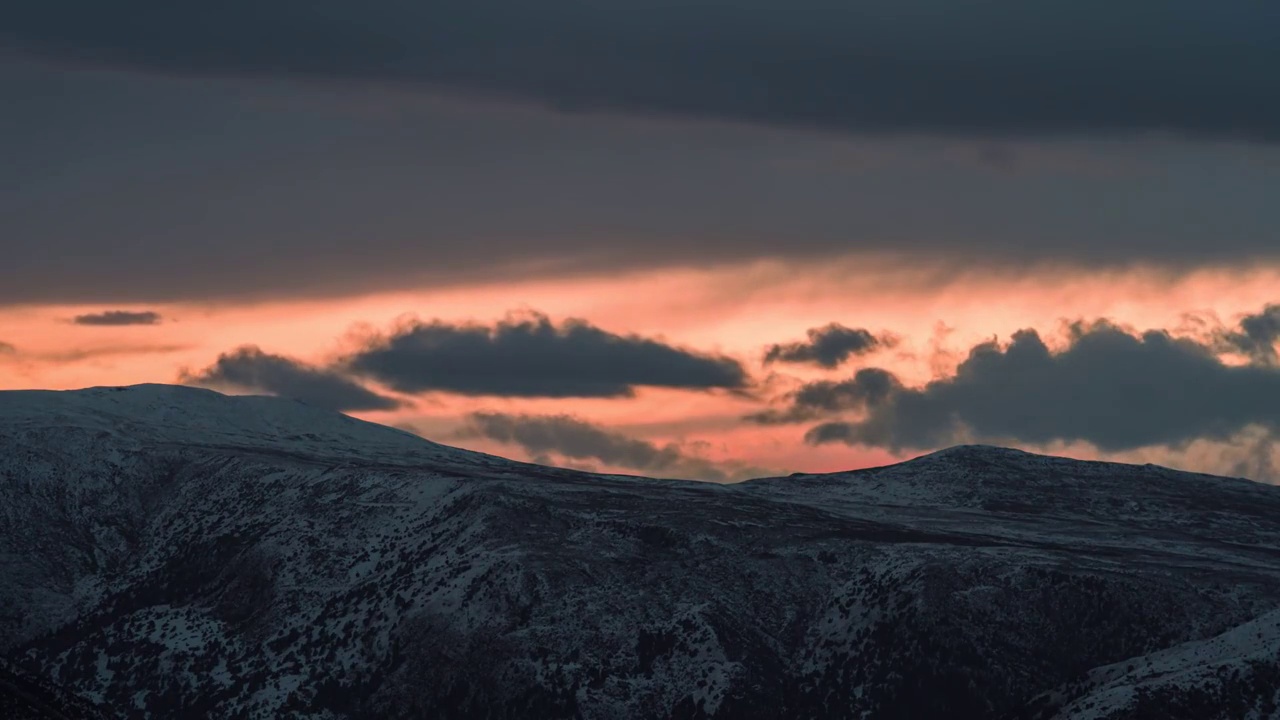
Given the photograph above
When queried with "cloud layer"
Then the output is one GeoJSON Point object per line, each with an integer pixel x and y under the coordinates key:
{"type": "Point", "coordinates": [116, 318]}
{"type": "Point", "coordinates": [250, 369]}
{"type": "Point", "coordinates": [1004, 68]}
{"type": "Point", "coordinates": [249, 189]}
{"type": "Point", "coordinates": [530, 356]}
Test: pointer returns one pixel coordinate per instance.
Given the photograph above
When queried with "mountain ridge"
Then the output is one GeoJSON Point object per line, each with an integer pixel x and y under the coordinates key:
{"type": "Point", "coordinates": [169, 552]}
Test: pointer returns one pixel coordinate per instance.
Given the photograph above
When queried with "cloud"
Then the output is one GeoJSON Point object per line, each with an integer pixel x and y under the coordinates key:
{"type": "Point", "coordinates": [118, 317]}
{"type": "Point", "coordinates": [1003, 68]}
{"type": "Point", "coordinates": [93, 353]}
{"type": "Point", "coordinates": [1109, 387]}
{"type": "Point", "coordinates": [568, 437]}
{"type": "Point", "coordinates": [1256, 336]}
{"type": "Point", "coordinates": [529, 356]}
{"type": "Point", "coordinates": [572, 438]}
{"type": "Point", "coordinates": [75, 355]}
{"type": "Point", "coordinates": [250, 369]}
{"type": "Point", "coordinates": [828, 346]}
{"type": "Point", "coordinates": [867, 387]}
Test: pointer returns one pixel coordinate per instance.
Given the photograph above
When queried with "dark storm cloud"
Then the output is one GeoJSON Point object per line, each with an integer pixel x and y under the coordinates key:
{"type": "Point", "coordinates": [828, 346]}
{"type": "Point", "coordinates": [1257, 335]}
{"type": "Point", "coordinates": [529, 356]}
{"type": "Point", "coordinates": [250, 369]}
{"type": "Point", "coordinates": [575, 439]}
{"type": "Point", "coordinates": [997, 68]}
{"type": "Point", "coordinates": [867, 387]}
{"type": "Point", "coordinates": [1109, 387]}
{"type": "Point", "coordinates": [118, 317]}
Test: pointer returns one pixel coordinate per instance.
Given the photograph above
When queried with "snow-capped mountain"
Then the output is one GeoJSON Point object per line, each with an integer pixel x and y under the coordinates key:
{"type": "Point", "coordinates": [168, 552]}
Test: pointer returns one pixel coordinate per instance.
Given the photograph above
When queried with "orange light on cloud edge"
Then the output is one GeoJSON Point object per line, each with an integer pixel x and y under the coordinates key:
{"type": "Point", "coordinates": [732, 310]}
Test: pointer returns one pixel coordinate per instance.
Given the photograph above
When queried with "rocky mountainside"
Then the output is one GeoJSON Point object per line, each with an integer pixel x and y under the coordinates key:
{"type": "Point", "coordinates": [24, 696]}
{"type": "Point", "coordinates": [175, 553]}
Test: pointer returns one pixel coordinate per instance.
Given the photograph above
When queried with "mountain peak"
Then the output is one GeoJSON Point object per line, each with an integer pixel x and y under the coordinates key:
{"type": "Point", "coordinates": [977, 450]}
{"type": "Point", "coordinates": [178, 414]}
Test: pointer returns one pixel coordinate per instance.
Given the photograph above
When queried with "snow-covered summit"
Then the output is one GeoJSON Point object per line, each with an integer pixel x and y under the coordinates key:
{"type": "Point", "coordinates": [977, 475]}
{"type": "Point", "coordinates": [178, 414]}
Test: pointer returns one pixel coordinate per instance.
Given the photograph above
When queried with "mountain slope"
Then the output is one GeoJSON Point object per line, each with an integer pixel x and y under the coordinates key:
{"type": "Point", "coordinates": [1231, 675]}
{"type": "Point", "coordinates": [24, 697]}
{"type": "Point", "coordinates": [172, 552]}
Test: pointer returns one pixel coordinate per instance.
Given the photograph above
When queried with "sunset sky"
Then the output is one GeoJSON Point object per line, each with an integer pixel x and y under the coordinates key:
{"type": "Point", "coordinates": [695, 239]}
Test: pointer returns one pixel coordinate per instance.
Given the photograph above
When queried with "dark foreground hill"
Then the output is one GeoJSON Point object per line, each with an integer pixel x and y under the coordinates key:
{"type": "Point", "coordinates": [175, 553]}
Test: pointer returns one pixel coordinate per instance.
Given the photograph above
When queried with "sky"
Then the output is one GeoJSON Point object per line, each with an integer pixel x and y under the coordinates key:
{"type": "Point", "coordinates": [704, 240]}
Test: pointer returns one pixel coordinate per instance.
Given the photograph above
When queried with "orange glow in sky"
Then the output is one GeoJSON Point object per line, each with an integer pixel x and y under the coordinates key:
{"type": "Point", "coordinates": [732, 310]}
